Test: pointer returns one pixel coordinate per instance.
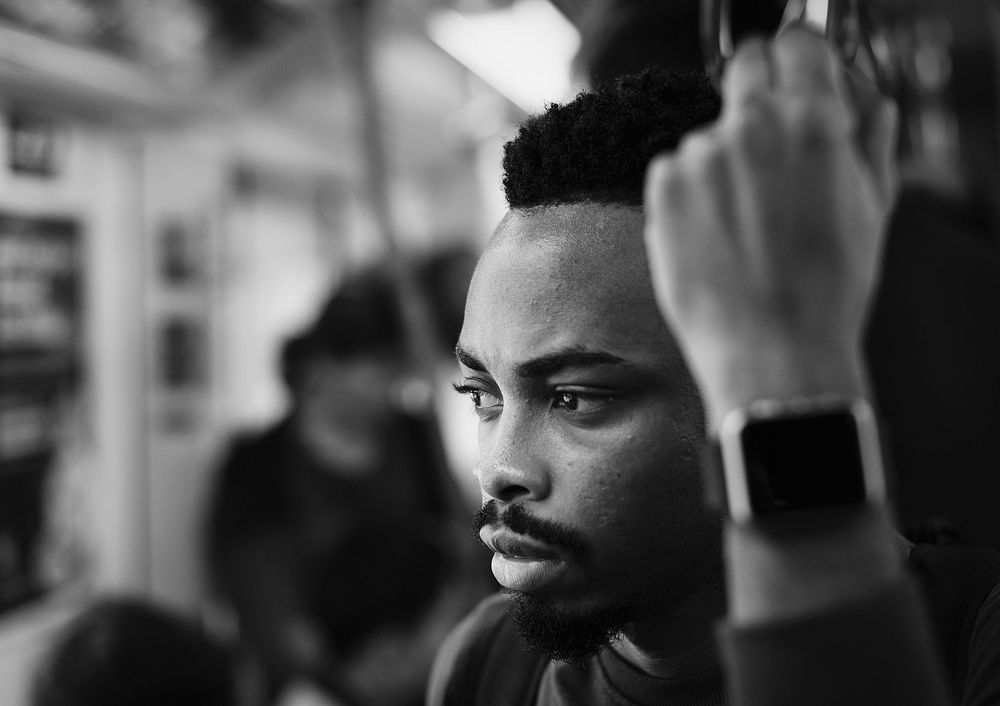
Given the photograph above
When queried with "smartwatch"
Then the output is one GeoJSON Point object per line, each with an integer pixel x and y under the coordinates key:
{"type": "Point", "coordinates": [805, 453]}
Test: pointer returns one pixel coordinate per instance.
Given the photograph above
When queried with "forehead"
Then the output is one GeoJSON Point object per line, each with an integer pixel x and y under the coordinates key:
{"type": "Point", "coordinates": [568, 276]}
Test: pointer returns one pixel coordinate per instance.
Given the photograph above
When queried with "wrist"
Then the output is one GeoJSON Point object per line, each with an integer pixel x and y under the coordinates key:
{"type": "Point", "coordinates": [735, 381]}
{"type": "Point", "coordinates": [806, 453]}
{"type": "Point", "coordinates": [805, 490]}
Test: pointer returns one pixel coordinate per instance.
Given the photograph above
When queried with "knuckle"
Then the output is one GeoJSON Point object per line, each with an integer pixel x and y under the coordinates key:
{"type": "Point", "coordinates": [663, 179]}
{"type": "Point", "coordinates": [713, 162]}
{"type": "Point", "coordinates": [755, 134]}
{"type": "Point", "coordinates": [704, 150]}
{"type": "Point", "coordinates": [752, 48]}
{"type": "Point", "coordinates": [660, 169]}
{"type": "Point", "coordinates": [705, 163]}
{"type": "Point", "coordinates": [812, 123]}
{"type": "Point", "coordinates": [748, 67]}
{"type": "Point", "coordinates": [694, 147]}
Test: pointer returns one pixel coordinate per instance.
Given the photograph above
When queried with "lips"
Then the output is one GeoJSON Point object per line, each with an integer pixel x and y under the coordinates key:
{"type": "Point", "coordinates": [514, 545]}
{"type": "Point", "coordinates": [521, 563]}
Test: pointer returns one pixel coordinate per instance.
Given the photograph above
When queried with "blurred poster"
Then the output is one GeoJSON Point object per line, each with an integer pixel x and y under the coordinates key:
{"type": "Point", "coordinates": [40, 327]}
{"type": "Point", "coordinates": [33, 143]}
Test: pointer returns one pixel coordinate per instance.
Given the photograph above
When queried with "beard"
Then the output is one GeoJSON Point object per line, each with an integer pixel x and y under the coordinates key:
{"type": "Point", "coordinates": [542, 624]}
{"type": "Point", "coordinates": [566, 636]}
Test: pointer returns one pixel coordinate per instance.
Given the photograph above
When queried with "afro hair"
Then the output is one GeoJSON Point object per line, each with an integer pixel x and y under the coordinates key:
{"type": "Point", "coordinates": [596, 147]}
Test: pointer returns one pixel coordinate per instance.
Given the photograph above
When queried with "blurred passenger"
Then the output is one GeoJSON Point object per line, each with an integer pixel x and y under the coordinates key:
{"type": "Point", "coordinates": [333, 534]}
{"type": "Point", "coordinates": [125, 652]}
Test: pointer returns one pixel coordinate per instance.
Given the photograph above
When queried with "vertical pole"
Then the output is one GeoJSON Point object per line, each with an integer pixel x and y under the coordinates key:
{"type": "Point", "coordinates": [354, 18]}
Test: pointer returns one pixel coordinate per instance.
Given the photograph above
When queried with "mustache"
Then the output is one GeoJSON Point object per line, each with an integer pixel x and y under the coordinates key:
{"type": "Point", "coordinates": [518, 520]}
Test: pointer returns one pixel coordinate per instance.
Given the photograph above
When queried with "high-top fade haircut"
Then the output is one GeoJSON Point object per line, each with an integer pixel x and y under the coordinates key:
{"type": "Point", "coordinates": [596, 147]}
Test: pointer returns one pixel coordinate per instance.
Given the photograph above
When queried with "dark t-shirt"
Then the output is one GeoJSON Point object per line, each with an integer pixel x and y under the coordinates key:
{"type": "Point", "coordinates": [350, 551]}
{"type": "Point", "coordinates": [483, 663]}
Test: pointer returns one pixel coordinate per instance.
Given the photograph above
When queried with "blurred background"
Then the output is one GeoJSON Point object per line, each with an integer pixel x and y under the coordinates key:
{"type": "Point", "coordinates": [205, 206]}
{"type": "Point", "coordinates": [183, 184]}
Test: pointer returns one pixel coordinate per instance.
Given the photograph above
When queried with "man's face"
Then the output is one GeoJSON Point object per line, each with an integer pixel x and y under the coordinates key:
{"type": "Point", "coordinates": [589, 423]}
{"type": "Point", "coordinates": [343, 408]}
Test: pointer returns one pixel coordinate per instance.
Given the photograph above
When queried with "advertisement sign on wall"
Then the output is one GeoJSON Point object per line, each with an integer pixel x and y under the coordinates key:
{"type": "Point", "coordinates": [40, 332]}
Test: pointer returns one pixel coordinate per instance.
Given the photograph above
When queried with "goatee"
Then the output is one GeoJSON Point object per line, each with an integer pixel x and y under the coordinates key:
{"type": "Point", "coordinates": [544, 626]}
{"type": "Point", "coordinates": [563, 635]}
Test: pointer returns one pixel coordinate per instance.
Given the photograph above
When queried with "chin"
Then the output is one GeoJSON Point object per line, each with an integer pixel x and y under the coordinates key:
{"type": "Point", "coordinates": [564, 632]}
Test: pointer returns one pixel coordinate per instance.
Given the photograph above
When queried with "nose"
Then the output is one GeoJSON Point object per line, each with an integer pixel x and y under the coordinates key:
{"type": "Point", "coordinates": [512, 463]}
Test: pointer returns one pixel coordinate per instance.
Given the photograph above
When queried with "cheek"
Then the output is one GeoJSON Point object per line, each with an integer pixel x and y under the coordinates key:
{"type": "Point", "coordinates": [641, 491]}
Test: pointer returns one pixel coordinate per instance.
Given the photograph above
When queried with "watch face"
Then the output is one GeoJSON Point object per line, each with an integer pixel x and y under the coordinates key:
{"type": "Point", "coordinates": [803, 462]}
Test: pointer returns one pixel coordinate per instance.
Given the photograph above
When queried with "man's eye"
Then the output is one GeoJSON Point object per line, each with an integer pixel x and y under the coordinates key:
{"type": "Point", "coordinates": [486, 403]}
{"type": "Point", "coordinates": [578, 402]}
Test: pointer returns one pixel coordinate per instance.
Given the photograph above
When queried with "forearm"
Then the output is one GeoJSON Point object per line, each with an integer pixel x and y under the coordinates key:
{"type": "Point", "coordinates": [821, 612]}
{"type": "Point", "coordinates": [793, 565]}
{"type": "Point", "coordinates": [871, 649]}
{"type": "Point", "coordinates": [769, 304]}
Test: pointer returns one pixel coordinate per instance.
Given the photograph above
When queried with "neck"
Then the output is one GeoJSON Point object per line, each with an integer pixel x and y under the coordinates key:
{"type": "Point", "coordinates": [679, 640]}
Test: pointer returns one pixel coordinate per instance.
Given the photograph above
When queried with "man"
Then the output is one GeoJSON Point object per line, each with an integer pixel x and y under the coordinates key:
{"type": "Point", "coordinates": [762, 233]}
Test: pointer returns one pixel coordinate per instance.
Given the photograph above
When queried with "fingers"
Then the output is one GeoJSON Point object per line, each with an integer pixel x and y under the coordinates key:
{"type": "Point", "coordinates": [880, 148]}
{"type": "Point", "coordinates": [799, 63]}
{"type": "Point", "coordinates": [748, 74]}
{"type": "Point", "coordinates": [804, 62]}
{"type": "Point", "coordinates": [797, 85]}
{"type": "Point", "coordinates": [664, 192]}
{"type": "Point", "coordinates": [877, 128]}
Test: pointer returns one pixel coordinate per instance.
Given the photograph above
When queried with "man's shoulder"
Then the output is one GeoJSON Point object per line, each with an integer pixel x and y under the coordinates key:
{"type": "Point", "coordinates": [482, 646]}
{"type": "Point", "coordinates": [476, 631]}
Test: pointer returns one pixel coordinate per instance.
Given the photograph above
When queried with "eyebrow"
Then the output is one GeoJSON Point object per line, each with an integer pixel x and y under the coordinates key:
{"type": "Point", "coordinates": [468, 360]}
{"type": "Point", "coordinates": [547, 364]}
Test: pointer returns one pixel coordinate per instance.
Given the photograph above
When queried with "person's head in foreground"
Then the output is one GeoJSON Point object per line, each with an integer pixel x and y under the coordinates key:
{"type": "Point", "coordinates": [125, 652]}
{"type": "Point", "coordinates": [590, 423]}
